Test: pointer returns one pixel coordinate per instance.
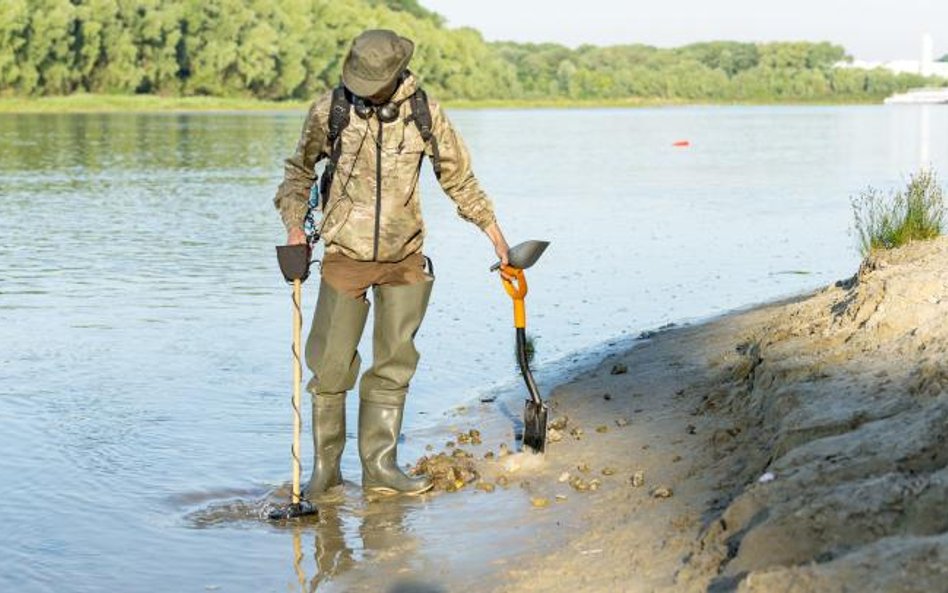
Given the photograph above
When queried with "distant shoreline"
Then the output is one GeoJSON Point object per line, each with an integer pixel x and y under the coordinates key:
{"type": "Point", "coordinates": [88, 103]}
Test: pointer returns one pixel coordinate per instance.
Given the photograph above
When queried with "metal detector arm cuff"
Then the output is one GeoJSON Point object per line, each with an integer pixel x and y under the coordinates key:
{"type": "Point", "coordinates": [294, 261]}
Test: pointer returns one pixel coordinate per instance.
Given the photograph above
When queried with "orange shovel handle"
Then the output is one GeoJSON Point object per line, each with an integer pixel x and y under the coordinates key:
{"type": "Point", "coordinates": [517, 289]}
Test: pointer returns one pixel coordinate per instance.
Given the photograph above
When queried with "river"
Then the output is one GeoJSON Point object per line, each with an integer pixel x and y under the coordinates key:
{"type": "Point", "coordinates": [144, 325]}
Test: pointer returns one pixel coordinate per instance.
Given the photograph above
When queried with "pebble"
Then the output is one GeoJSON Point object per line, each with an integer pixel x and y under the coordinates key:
{"type": "Point", "coordinates": [608, 471]}
{"type": "Point", "coordinates": [502, 481]}
{"type": "Point", "coordinates": [564, 477]}
{"type": "Point", "coordinates": [579, 484]}
{"type": "Point", "coordinates": [472, 437]}
{"type": "Point", "coordinates": [638, 479]}
{"type": "Point", "coordinates": [485, 486]}
{"type": "Point", "coordinates": [583, 467]}
{"type": "Point", "coordinates": [489, 455]}
{"type": "Point", "coordinates": [619, 369]}
{"type": "Point", "coordinates": [607, 396]}
{"type": "Point", "coordinates": [602, 429]}
{"type": "Point", "coordinates": [449, 473]}
{"type": "Point", "coordinates": [560, 498]}
{"type": "Point", "coordinates": [554, 436]}
{"type": "Point", "coordinates": [662, 492]}
{"type": "Point", "coordinates": [540, 502]}
{"type": "Point", "coordinates": [594, 484]}
{"type": "Point", "coordinates": [559, 423]}
{"type": "Point", "coordinates": [621, 422]}
{"type": "Point", "coordinates": [676, 458]}
{"type": "Point", "coordinates": [577, 433]}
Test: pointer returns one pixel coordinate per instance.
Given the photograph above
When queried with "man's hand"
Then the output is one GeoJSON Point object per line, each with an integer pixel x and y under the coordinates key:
{"type": "Point", "coordinates": [500, 247]}
{"type": "Point", "coordinates": [295, 237]}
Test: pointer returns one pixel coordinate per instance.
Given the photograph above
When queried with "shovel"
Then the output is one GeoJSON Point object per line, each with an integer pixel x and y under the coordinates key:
{"type": "Point", "coordinates": [521, 257]}
{"type": "Point", "coordinates": [294, 263]}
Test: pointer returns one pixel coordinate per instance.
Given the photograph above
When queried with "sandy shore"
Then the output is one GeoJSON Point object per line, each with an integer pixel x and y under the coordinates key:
{"type": "Point", "coordinates": [799, 446]}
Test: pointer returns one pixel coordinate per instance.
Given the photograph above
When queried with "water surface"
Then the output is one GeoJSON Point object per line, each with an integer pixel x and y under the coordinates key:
{"type": "Point", "coordinates": [144, 325]}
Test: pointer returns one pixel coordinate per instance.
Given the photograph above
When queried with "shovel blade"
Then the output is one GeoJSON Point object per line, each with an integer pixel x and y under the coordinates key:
{"type": "Point", "coordinates": [523, 255]}
{"type": "Point", "coordinates": [534, 426]}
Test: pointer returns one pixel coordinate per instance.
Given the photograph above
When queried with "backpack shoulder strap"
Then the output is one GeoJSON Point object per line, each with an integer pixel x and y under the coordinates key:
{"type": "Point", "coordinates": [338, 120]}
{"type": "Point", "coordinates": [338, 113]}
{"type": "Point", "coordinates": [421, 114]}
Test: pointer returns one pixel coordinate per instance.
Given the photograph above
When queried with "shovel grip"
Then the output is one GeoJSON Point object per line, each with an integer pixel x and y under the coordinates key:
{"type": "Point", "coordinates": [517, 289]}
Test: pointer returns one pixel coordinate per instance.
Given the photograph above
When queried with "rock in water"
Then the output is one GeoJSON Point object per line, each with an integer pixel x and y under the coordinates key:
{"type": "Point", "coordinates": [638, 479]}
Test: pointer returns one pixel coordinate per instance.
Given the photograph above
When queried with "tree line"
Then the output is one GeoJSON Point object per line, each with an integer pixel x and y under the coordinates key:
{"type": "Point", "coordinates": [293, 49]}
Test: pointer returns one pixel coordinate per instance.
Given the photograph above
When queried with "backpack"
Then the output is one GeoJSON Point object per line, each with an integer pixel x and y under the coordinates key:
{"type": "Point", "coordinates": [339, 119]}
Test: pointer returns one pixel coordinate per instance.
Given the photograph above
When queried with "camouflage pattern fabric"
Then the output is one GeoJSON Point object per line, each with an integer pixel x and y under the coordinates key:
{"type": "Point", "coordinates": [348, 224]}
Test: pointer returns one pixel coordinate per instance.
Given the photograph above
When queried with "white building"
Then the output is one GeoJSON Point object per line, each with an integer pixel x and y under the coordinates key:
{"type": "Point", "coordinates": [926, 66]}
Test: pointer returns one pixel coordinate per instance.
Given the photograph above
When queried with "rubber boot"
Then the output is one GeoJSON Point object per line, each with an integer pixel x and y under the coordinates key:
{"type": "Point", "coordinates": [332, 356]}
{"type": "Point", "coordinates": [398, 314]}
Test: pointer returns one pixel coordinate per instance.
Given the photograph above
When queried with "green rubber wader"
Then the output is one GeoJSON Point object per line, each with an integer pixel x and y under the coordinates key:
{"type": "Point", "coordinates": [332, 356]}
{"type": "Point", "coordinates": [399, 311]}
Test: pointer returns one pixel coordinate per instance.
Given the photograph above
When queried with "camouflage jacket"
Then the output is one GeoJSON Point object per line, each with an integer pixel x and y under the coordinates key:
{"type": "Point", "coordinates": [358, 222]}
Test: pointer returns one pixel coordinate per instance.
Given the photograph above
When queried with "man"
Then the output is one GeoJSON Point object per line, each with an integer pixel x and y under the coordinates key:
{"type": "Point", "coordinates": [373, 232]}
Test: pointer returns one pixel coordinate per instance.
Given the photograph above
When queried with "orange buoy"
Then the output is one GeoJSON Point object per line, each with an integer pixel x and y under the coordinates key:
{"type": "Point", "coordinates": [681, 143]}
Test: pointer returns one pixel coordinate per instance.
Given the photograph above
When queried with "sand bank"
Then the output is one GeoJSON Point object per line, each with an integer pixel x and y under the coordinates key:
{"type": "Point", "coordinates": [799, 446]}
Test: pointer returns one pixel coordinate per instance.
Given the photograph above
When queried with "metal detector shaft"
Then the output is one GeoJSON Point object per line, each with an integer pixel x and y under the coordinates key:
{"type": "Point", "coordinates": [294, 264]}
{"type": "Point", "coordinates": [297, 379]}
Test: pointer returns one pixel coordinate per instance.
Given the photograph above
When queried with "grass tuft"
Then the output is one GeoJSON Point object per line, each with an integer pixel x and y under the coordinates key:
{"type": "Point", "coordinates": [915, 213]}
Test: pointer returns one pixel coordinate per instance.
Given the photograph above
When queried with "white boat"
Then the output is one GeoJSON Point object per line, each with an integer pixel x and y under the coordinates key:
{"type": "Point", "coordinates": [917, 96]}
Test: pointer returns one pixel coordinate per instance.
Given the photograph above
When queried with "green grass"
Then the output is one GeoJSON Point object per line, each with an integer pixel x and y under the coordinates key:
{"type": "Point", "coordinates": [88, 103]}
{"type": "Point", "coordinates": [92, 103]}
{"type": "Point", "coordinates": [651, 102]}
{"type": "Point", "coordinates": [915, 213]}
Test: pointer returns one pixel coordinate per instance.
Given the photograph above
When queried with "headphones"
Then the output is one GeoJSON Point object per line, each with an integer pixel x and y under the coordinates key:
{"type": "Point", "coordinates": [386, 113]}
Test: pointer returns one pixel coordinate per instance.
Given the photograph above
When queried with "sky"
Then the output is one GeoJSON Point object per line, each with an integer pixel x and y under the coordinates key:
{"type": "Point", "coordinates": [868, 29]}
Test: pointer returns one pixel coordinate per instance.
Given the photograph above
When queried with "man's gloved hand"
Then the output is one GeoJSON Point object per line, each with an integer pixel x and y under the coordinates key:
{"type": "Point", "coordinates": [295, 237]}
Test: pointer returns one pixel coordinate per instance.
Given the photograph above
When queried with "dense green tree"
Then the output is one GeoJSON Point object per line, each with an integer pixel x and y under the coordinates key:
{"type": "Point", "coordinates": [116, 68]}
{"type": "Point", "coordinates": [14, 39]}
{"type": "Point", "coordinates": [824, 56]}
{"type": "Point", "coordinates": [49, 59]}
{"type": "Point", "coordinates": [282, 49]}
{"type": "Point", "coordinates": [729, 56]}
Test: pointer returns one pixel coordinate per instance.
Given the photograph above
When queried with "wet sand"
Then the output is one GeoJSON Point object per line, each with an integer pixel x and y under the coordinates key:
{"type": "Point", "coordinates": [799, 446]}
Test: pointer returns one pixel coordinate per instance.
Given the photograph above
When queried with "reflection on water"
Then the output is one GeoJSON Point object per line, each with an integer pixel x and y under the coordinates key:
{"type": "Point", "coordinates": [144, 325]}
{"type": "Point", "coordinates": [379, 534]}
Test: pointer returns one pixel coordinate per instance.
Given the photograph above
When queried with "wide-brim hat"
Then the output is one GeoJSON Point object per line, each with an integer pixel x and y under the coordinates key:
{"type": "Point", "coordinates": [377, 57]}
